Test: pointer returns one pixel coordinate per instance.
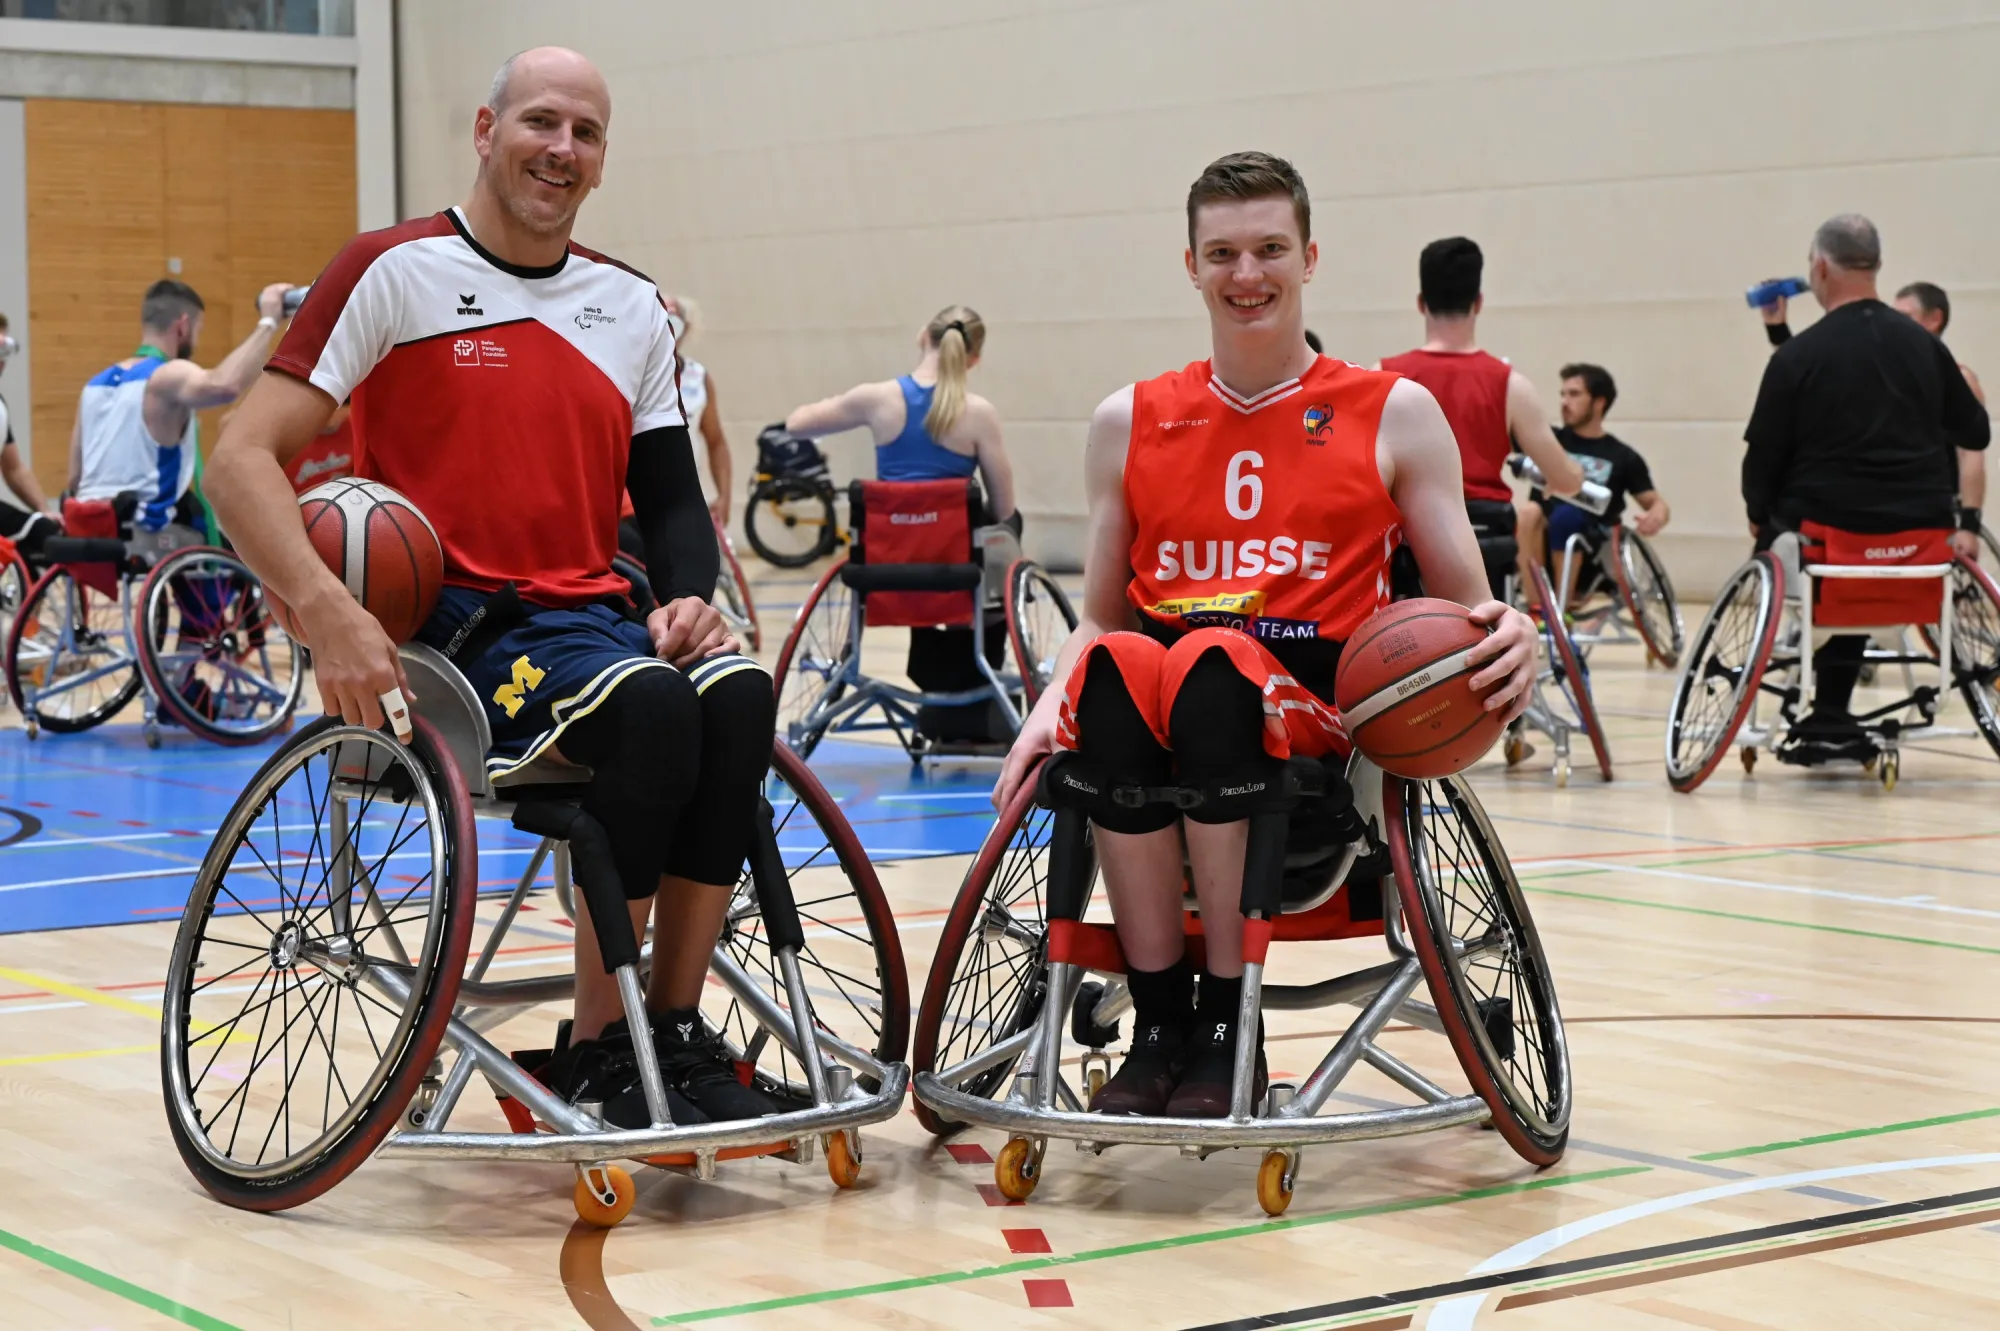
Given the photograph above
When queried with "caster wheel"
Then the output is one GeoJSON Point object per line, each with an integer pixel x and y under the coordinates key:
{"type": "Point", "coordinates": [1016, 1170]}
{"type": "Point", "coordinates": [34, 731]}
{"type": "Point", "coordinates": [1274, 1194]}
{"type": "Point", "coordinates": [594, 1208]}
{"type": "Point", "coordinates": [1749, 756]}
{"type": "Point", "coordinates": [1514, 750]}
{"type": "Point", "coordinates": [1093, 1083]}
{"type": "Point", "coordinates": [1891, 769]}
{"type": "Point", "coordinates": [1562, 774]}
{"type": "Point", "coordinates": [843, 1160]}
{"type": "Point", "coordinates": [152, 738]}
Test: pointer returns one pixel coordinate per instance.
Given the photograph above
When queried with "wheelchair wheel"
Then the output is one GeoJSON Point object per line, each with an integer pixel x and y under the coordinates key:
{"type": "Point", "coordinates": [286, 1056]}
{"type": "Point", "coordinates": [1471, 930]}
{"type": "Point", "coordinates": [989, 976]}
{"type": "Point", "coordinates": [1570, 681]}
{"type": "Point", "coordinates": [852, 961]}
{"type": "Point", "coordinates": [1039, 620]}
{"type": "Point", "coordinates": [815, 653]}
{"type": "Point", "coordinates": [790, 521]}
{"type": "Point", "coordinates": [14, 584]}
{"type": "Point", "coordinates": [1975, 645]}
{"type": "Point", "coordinates": [214, 657]}
{"type": "Point", "coordinates": [68, 641]}
{"type": "Point", "coordinates": [1648, 594]}
{"type": "Point", "coordinates": [1989, 550]}
{"type": "Point", "coordinates": [732, 596]}
{"type": "Point", "coordinates": [1725, 665]}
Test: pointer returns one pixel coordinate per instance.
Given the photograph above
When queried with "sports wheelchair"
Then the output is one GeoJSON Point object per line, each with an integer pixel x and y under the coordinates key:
{"type": "Point", "coordinates": [321, 967]}
{"type": "Point", "coordinates": [1761, 629]}
{"type": "Point", "coordinates": [1619, 591]}
{"type": "Point", "coordinates": [118, 613]}
{"type": "Point", "coordinates": [1342, 854]}
{"type": "Point", "coordinates": [732, 591]}
{"type": "Point", "coordinates": [789, 518]}
{"type": "Point", "coordinates": [921, 559]}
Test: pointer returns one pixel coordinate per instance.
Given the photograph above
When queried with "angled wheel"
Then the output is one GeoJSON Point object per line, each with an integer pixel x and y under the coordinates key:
{"type": "Point", "coordinates": [215, 658]}
{"type": "Point", "coordinates": [1975, 645]}
{"type": "Point", "coordinates": [1471, 930]}
{"type": "Point", "coordinates": [1039, 620]}
{"type": "Point", "coordinates": [1648, 594]}
{"type": "Point", "coordinates": [1567, 678]}
{"type": "Point", "coordinates": [1719, 678]}
{"type": "Point", "coordinates": [732, 596]}
{"type": "Point", "coordinates": [989, 975]}
{"type": "Point", "coordinates": [790, 521]}
{"type": "Point", "coordinates": [813, 667]}
{"type": "Point", "coordinates": [852, 961]}
{"type": "Point", "coordinates": [317, 962]}
{"type": "Point", "coordinates": [67, 647]}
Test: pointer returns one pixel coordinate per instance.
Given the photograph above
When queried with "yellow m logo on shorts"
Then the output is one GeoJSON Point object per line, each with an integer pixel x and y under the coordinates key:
{"type": "Point", "coordinates": [511, 695]}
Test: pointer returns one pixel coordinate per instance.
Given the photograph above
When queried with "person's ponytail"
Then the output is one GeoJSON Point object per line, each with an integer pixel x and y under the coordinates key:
{"type": "Point", "coordinates": [958, 334]}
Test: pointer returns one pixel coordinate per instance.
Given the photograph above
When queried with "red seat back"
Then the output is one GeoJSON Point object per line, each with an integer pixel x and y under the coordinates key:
{"type": "Point", "coordinates": [92, 519]}
{"type": "Point", "coordinates": [1869, 602]}
{"type": "Point", "coordinates": [912, 524]}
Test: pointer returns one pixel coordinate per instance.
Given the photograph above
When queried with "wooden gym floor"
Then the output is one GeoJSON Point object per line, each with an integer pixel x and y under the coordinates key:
{"type": "Point", "coordinates": [1780, 1011]}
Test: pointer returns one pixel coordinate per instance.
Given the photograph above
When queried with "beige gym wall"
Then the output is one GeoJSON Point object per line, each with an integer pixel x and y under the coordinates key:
{"type": "Point", "coordinates": [823, 176]}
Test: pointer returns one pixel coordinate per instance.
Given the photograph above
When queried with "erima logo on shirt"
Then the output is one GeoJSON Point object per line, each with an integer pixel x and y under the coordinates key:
{"type": "Point", "coordinates": [912, 519]}
{"type": "Point", "coordinates": [469, 305]}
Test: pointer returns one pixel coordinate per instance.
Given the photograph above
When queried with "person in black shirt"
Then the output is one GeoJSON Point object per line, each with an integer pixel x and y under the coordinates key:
{"type": "Point", "coordinates": [1546, 523]}
{"type": "Point", "coordinates": [1927, 303]}
{"type": "Point", "coordinates": [1855, 426]}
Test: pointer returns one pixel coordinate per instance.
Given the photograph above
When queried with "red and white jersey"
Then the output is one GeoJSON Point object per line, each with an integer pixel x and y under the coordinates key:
{"type": "Point", "coordinates": [501, 400]}
{"type": "Point", "coordinates": [1265, 514]}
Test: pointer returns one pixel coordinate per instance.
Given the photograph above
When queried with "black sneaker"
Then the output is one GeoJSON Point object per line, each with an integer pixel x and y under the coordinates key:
{"type": "Point", "coordinates": [1822, 737]}
{"type": "Point", "coordinates": [606, 1070]}
{"type": "Point", "coordinates": [1211, 1070]}
{"type": "Point", "coordinates": [1147, 1077]}
{"type": "Point", "coordinates": [694, 1062]}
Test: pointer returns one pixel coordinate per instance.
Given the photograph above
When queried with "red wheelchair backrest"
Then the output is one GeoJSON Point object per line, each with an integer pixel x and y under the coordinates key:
{"type": "Point", "coordinates": [94, 519]}
{"type": "Point", "coordinates": [910, 523]}
{"type": "Point", "coordinates": [1872, 602]}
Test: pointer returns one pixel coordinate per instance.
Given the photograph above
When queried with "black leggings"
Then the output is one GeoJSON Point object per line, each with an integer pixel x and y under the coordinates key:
{"type": "Point", "coordinates": [678, 763]}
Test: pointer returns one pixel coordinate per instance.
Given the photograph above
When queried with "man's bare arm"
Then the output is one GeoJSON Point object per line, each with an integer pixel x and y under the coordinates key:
{"type": "Point", "coordinates": [20, 478]}
{"type": "Point", "coordinates": [182, 383]}
{"type": "Point", "coordinates": [76, 452]}
{"type": "Point", "coordinates": [1971, 478]}
{"type": "Point", "coordinates": [1654, 514]}
{"type": "Point", "coordinates": [1529, 424]}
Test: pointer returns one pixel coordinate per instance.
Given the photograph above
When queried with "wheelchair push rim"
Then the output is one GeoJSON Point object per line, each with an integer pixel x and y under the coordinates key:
{"type": "Point", "coordinates": [1039, 620]}
{"type": "Point", "coordinates": [234, 677]}
{"type": "Point", "coordinates": [1570, 679]}
{"type": "Point", "coordinates": [1482, 957]}
{"type": "Point", "coordinates": [1975, 645]}
{"type": "Point", "coordinates": [286, 1057]}
{"type": "Point", "coordinates": [62, 620]}
{"type": "Point", "coordinates": [790, 521]}
{"type": "Point", "coordinates": [1648, 594]}
{"type": "Point", "coordinates": [813, 664]}
{"type": "Point", "coordinates": [1734, 643]}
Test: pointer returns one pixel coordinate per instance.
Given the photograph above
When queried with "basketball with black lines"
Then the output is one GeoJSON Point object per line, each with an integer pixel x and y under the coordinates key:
{"type": "Point", "coordinates": [380, 546]}
{"type": "Point", "coordinates": [1404, 690]}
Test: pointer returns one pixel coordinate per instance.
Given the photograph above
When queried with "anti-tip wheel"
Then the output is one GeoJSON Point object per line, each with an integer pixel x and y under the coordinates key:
{"type": "Point", "coordinates": [1274, 1192]}
{"type": "Point", "coordinates": [152, 737]}
{"type": "Point", "coordinates": [606, 1207]}
{"type": "Point", "coordinates": [1890, 770]}
{"type": "Point", "coordinates": [1016, 1170]}
{"type": "Point", "coordinates": [1749, 758]}
{"type": "Point", "coordinates": [843, 1159]}
{"type": "Point", "coordinates": [1562, 774]}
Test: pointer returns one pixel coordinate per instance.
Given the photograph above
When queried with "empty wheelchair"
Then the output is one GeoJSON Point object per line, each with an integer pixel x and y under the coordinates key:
{"type": "Point", "coordinates": [1749, 677]}
{"type": "Point", "coordinates": [1357, 854]}
{"type": "Point", "coordinates": [922, 560]}
{"type": "Point", "coordinates": [1619, 591]}
{"type": "Point", "coordinates": [114, 616]}
{"type": "Point", "coordinates": [324, 969]}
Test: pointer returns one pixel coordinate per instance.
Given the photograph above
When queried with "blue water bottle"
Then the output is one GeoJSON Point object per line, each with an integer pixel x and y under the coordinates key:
{"type": "Point", "coordinates": [1767, 293]}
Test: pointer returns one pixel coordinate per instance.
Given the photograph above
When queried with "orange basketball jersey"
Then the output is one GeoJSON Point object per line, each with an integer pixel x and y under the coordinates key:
{"type": "Point", "coordinates": [1265, 514]}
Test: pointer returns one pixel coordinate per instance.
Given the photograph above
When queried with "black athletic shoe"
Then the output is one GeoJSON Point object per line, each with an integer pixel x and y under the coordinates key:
{"type": "Point", "coordinates": [1147, 1077]}
{"type": "Point", "coordinates": [606, 1070]}
{"type": "Point", "coordinates": [694, 1062]}
{"type": "Point", "coordinates": [1204, 1088]}
{"type": "Point", "coordinates": [1823, 737]}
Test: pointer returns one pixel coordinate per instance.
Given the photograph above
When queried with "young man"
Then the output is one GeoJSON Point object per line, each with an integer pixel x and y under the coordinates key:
{"type": "Point", "coordinates": [512, 383]}
{"type": "Point", "coordinates": [1492, 408]}
{"type": "Point", "coordinates": [1927, 303]}
{"type": "Point", "coordinates": [1547, 523]}
{"type": "Point", "coordinates": [135, 422]}
{"type": "Point", "coordinates": [29, 527]}
{"type": "Point", "coordinates": [1243, 513]}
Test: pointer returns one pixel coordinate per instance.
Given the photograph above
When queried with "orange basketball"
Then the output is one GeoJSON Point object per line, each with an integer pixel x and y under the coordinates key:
{"type": "Point", "coordinates": [380, 546]}
{"type": "Point", "coordinates": [1404, 690]}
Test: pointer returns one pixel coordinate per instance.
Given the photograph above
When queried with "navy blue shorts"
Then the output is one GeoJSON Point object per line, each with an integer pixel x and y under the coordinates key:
{"type": "Point", "coordinates": [1567, 520]}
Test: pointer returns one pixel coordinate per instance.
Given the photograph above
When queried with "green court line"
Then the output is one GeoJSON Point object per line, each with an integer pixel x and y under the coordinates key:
{"type": "Point", "coordinates": [111, 1284]}
{"type": "Point", "coordinates": [1150, 1245]}
{"type": "Point", "coordinates": [1850, 1135]}
{"type": "Point", "coordinates": [1766, 919]}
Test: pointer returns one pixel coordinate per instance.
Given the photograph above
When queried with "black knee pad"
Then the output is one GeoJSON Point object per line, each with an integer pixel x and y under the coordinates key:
{"type": "Point", "coordinates": [739, 716]}
{"type": "Point", "coordinates": [1116, 749]}
{"type": "Point", "coordinates": [643, 745]}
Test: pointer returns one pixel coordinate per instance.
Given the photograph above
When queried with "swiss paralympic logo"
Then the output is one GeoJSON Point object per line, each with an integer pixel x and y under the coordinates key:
{"type": "Point", "coordinates": [464, 351]}
{"type": "Point", "coordinates": [1319, 422]}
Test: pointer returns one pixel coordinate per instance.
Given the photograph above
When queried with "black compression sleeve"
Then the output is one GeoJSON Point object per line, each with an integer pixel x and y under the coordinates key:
{"type": "Point", "coordinates": [1779, 334]}
{"type": "Point", "coordinates": [682, 558]}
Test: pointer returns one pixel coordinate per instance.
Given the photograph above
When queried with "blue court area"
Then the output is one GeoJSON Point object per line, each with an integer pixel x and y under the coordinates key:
{"type": "Point", "coordinates": [97, 829]}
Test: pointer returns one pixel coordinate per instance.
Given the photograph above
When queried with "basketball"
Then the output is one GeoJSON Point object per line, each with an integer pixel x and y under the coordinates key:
{"type": "Point", "coordinates": [1404, 691]}
{"type": "Point", "coordinates": [380, 546]}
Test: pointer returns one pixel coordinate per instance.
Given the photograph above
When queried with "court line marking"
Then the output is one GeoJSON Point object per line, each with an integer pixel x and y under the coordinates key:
{"type": "Point", "coordinates": [1146, 1246]}
{"type": "Point", "coordinates": [1791, 889]}
{"type": "Point", "coordinates": [1764, 919]}
{"type": "Point", "coordinates": [194, 867]}
{"type": "Point", "coordinates": [1825, 1137]}
{"type": "Point", "coordinates": [111, 1284]}
{"type": "Point", "coordinates": [68, 1055]}
{"type": "Point", "coordinates": [47, 985]}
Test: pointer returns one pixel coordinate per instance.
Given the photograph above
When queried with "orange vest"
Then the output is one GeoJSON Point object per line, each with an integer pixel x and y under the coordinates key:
{"type": "Point", "coordinates": [1264, 514]}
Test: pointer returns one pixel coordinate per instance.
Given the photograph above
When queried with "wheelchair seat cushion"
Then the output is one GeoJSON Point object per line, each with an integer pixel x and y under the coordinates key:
{"type": "Point", "coordinates": [95, 519]}
{"type": "Point", "coordinates": [1867, 602]}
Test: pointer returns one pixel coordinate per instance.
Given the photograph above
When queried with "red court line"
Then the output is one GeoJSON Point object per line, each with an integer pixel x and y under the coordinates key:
{"type": "Point", "coordinates": [969, 1153]}
{"type": "Point", "coordinates": [990, 1194]}
{"type": "Point", "coordinates": [1026, 1240]}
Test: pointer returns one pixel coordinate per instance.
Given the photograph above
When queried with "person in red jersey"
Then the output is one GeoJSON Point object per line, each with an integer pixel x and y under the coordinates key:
{"type": "Point", "coordinates": [513, 384]}
{"type": "Point", "coordinates": [1492, 408]}
{"type": "Point", "coordinates": [1244, 513]}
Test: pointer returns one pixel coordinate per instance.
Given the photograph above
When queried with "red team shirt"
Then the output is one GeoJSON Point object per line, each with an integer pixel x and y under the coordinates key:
{"type": "Point", "coordinates": [501, 400]}
{"type": "Point", "coordinates": [1471, 387]}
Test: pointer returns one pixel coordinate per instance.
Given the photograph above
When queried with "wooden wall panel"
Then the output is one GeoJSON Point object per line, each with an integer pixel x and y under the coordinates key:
{"type": "Point", "coordinates": [241, 196]}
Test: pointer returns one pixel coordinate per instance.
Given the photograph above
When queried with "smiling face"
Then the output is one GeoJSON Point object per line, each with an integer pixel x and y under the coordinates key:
{"type": "Point", "coordinates": [542, 151]}
{"type": "Point", "coordinates": [1251, 265]}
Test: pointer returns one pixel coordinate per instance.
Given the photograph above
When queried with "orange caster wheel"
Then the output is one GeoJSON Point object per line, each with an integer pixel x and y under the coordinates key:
{"type": "Point", "coordinates": [1274, 1182]}
{"type": "Point", "coordinates": [604, 1195]}
{"type": "Point", "coordinates": [1017, 1169]}
{"type": "Point", "coordinates": [843, 1159]}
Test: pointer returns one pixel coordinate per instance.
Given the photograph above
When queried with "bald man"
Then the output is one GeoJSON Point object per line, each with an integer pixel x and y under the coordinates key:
{"type": "Point", "coordinates": [512, 383]}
